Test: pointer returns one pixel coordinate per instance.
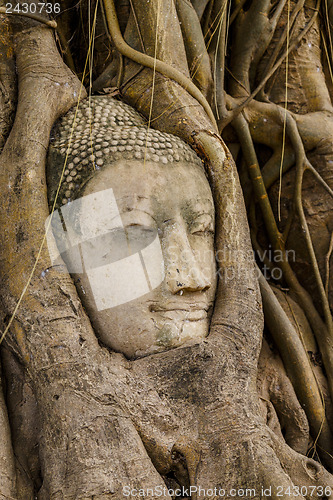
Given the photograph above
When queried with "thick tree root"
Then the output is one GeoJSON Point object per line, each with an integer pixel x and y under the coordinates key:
{"type": "Point", "coordinates": [281, 408]}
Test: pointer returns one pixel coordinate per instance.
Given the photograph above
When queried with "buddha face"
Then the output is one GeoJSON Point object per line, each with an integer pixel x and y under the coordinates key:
{"type": "Point", "coordinates": [164, 219]}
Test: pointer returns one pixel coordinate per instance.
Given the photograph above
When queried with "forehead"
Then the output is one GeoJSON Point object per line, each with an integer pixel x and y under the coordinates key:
{"type": "Point", "coordinates": [178, 184]}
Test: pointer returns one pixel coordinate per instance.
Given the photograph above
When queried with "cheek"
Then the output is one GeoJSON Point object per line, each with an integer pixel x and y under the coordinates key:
{"type": "Point", "coordinates": [130, 317]}
{"type": "Point", "coordinates": [123, 323]}
{"type": "Point", "coordinates": [123, 312]}
{"type": "Point", "coordinates": [203, 249]}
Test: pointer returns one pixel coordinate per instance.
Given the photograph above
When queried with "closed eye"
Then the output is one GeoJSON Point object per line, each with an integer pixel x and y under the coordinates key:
{"type": "Point", "coordinates": [203, 232]}
{"type": "Point", "coordinates": [139, 227]}
{"type": "Point", "coordinates": [139, 234]}
{"type": "Point", "coordinates": [202, 226]}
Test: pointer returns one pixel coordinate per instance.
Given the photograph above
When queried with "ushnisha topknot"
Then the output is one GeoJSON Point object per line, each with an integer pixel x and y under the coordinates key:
{"type": "Point", "coordinates": [106, 131]}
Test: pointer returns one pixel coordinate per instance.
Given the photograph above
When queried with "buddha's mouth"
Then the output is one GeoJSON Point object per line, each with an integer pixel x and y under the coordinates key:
{"type": "Point", "coordinates": [181, 312]}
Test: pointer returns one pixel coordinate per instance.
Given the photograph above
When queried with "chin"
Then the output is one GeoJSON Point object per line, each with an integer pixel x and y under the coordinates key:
{"type": "Point", "coordinates": [156, 335]}
{"type": "Point", "coordinates": [169, 335]}
{"type": "Point", "coordinates": [177, 333]}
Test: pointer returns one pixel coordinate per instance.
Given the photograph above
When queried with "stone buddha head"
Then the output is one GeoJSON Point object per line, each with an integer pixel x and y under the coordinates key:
{"type": "Point", "coordinates": [134, 223]}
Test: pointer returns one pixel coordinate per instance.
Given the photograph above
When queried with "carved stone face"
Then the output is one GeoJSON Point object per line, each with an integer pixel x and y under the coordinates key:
{"type": "Point", "coordinates": [163, 230]}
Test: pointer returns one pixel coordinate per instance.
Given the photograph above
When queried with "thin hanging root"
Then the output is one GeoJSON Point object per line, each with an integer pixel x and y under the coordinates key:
{"type": "Point", "coordinates": [219, 67]}
{"type": "Point", "coordinates": [271, 170]}
{"type": "Point", "coordinates": [283, 37]}
{"type": "Point", "coordinates": [257, 114]}
{"type": "Point", "coordinates": [319, 177]}
{"type": "Point", "coordinates": [242, 129]}
{"type": "Point", "coordinates": [327, 261]}
{"type": "Point", "coordinates": [259, 251]}
{"type": "Point", "coordinates": [329, 33]}
{"type": "Point", "coordinates": [209, 10]}
{"type": "Point", "coordinates": [65, 50]}
{"type": "Point", "coordinates": [237, 10]}
{"type": "Point", "coordinates": [149, 62]}
{"type": "Point", "coordinates": [298, 367]}
{"type": "Point", "coordinates": [236, 111]}
{"type": "Point", "coordinates": [253, 33]}
{"type": "Point", "coordinates": [197, 56]}
{"type": "Point", "coordinates": [297, 143]}
{"type": "Point", "coordinates": [323, 333]}
{"type": "Point", "coordinates": [135, 17]}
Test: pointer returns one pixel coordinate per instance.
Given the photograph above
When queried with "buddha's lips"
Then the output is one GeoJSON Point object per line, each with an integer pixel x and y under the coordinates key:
{"type": "Point", "coordinates": [182, 313]}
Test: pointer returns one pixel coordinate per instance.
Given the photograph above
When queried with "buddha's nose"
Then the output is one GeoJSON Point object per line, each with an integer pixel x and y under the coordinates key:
{"type": "Point", "coordinates": [183, 270]}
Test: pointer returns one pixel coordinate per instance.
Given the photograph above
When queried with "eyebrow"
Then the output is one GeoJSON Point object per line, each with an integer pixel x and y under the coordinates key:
{"type": "Point", "coordinates": [193, 205]}
{"type": "Point", "coordinates": [137, 210]}
{"type": "Point", "coordinates": [129, 200]}
{"type": "Point", "coordinates": [197, 207]}
{"type": "Point", "coordinates": [137, 197]}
